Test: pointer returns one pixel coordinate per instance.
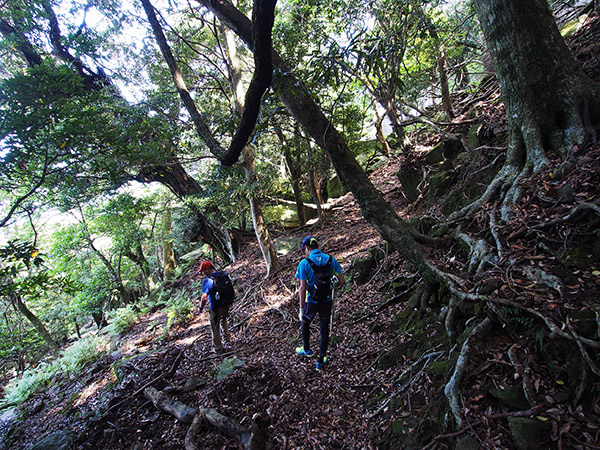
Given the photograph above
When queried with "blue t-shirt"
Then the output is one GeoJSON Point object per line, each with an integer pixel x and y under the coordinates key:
{"type": "Point", "coordinates": [207, 285]}
{"type": "Point", "coordinates": [305, 272]}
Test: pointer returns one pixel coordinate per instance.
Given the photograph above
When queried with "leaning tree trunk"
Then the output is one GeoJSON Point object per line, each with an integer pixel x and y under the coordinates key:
{"type": "Point", "coordinates": [256, 210]}
{"type": "Point", "coordinates": [544, 89]}
{"type": "Point", "coordinates": [37, 323]}
{"type": "Point", "coordinates": [298, 100]}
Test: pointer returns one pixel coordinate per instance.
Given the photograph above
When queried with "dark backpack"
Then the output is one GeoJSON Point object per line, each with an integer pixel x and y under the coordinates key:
{"type": "Point", "coordinates": [322, 288]}
{"type": "Point", "coordinates": [222, 292]}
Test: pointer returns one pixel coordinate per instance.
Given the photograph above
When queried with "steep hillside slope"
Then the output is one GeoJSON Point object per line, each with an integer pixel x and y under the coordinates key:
{"type": "Point", "coordinates": [395, 364]}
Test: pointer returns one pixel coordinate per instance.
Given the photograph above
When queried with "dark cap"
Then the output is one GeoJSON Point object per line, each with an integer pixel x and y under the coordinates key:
{"type": "Point", "coordinates": [309, 241]}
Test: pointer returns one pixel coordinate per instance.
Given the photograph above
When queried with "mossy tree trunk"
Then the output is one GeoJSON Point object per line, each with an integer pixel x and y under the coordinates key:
{"type": "Point", "coordinates": [167, 245]}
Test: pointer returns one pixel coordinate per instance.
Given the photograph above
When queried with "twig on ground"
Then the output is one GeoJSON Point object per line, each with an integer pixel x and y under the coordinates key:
{"type": "Point", "coordinates": [150, 383]}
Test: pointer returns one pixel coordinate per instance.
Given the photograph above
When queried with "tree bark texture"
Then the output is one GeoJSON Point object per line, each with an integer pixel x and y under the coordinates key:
{"type": "Point", "coordinates": [543, 87]}
{"type": "Point", "coordinates": [297, 99]}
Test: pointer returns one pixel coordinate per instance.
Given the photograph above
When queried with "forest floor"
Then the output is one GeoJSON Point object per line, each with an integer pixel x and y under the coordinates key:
{"type": "Point", "coordinates": [346, 405]}
{"type": "Point", "coordinates": [306, 408]}
{"type": "Point", "coordinates": [382, 386]}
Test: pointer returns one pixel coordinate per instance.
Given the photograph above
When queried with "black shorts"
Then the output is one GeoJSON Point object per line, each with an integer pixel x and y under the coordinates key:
{"type": "Point", "coordinates": [311, 310]}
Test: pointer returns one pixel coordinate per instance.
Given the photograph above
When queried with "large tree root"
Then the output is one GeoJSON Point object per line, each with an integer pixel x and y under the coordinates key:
{"type": "Point", "coordinates": [253, 439]}
{"type": "Point", "coordinates": [577, 213]}
{"type": "Point", "coordinates": [480, 252]}
{"type": "Point", "coordinates": [502, 182]}
{"type": "Point", "coordinates": [453, 386]}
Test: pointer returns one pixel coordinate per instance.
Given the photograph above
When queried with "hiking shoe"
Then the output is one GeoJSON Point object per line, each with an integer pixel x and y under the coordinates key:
{"type": "Point", "coordinates": [300, 351]}
{"type": "Point", "coordinates": [320, 365]}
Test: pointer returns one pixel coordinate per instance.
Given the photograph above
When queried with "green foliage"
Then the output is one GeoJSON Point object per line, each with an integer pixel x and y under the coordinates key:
{"type": "Point", "coordinates": [71, 361]}
{"type": "Point", "coordinates": [179, 309]}
{"type": "Point", "coordinates": [122, 319]}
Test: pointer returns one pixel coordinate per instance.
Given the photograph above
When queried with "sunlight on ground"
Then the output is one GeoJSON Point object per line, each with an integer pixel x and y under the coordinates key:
{"type": "Point", "coordinates": [89, 391]}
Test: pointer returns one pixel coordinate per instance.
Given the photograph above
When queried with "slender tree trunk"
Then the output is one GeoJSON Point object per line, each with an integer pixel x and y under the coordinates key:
{"type": "Point", "coordinates": [124, 294]}
{"type": "Point", "coordinates": [312, 184]}
{"type": "Point", "coordinates": [256, 210]}
{"type": "Point", "coordinates": [301, 105]}
{"type": "Point", "coordinates": [37, 323]}
{"type": "Point", "coordinates": [440, 58]}
{"type": "Point", "coordinates": [295, 179]}
{"type": "Point", "coordinates": [140, 260]}
{"type": "Point", "coordinates": [444, 87]}
{"type": "Point", "coordinates": [380, 136]}
{"type": "Point", "coordinates": [167, 245]}
{"type": "Point", "coordinates": [294, 169]}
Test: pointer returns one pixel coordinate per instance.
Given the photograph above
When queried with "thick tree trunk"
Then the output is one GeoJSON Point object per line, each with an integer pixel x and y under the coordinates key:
{"type": "Point", "coordinates": [543, 87]}
{"type": "Point", "coordinates": [301, 105]}
{"type": "Point", "coordinates": [256, 210]}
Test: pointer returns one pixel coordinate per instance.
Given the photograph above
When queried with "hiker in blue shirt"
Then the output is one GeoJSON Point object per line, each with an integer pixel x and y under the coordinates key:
{"type": "Point", "coordinates": [217, 312]}
{"type": "Point", "coordinates": [315, 278]}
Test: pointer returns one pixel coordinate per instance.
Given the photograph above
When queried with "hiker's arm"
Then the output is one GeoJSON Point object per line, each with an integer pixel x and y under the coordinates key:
{"type": "Point", "coordinates": [203, 301]}
{"type": "Point", "coordinates": [302, 293]}
{"type": "Point", "coordinates": [341, 279]}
